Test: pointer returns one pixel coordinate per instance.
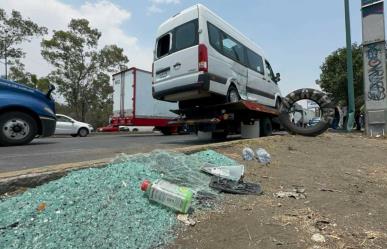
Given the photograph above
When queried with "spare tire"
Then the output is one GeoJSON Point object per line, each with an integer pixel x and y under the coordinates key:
{"type": "Point", "coordinates": [326, 107]}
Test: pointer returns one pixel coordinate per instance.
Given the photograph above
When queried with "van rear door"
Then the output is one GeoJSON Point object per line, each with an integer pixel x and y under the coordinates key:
{"type": "Point", "coordinates": [176, 56]}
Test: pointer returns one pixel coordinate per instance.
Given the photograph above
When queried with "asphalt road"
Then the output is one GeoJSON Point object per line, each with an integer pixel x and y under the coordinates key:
{"type": "Point", "coordinates": [58, 150]}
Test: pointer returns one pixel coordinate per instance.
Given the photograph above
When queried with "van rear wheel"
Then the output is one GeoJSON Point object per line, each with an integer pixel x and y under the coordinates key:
{"type": "Point", "coordinates": [233, 95]}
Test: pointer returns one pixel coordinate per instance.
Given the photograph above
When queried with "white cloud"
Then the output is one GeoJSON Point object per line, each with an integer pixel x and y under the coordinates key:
{"type": "Point", "coordinates": [165, 1]}
{"type": "Point", "coordinates": [107, 17]}
{"type": "Point", "coordinates": [155, 7]}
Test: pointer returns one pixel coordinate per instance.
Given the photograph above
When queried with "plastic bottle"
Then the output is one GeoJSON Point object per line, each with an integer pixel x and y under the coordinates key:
{"type": "Point", "coordinates": [263, 156]}
{"type": "Point", "coordinates": [168, 194]}
{"type": "Point", "coordinates": [248, 154]}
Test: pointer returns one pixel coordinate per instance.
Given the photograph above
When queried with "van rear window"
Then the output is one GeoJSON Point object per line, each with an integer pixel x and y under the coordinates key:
{"type": "Point", "coordinates": [163, 45]}
{"type": "Point", "coordinates": [183, 36]}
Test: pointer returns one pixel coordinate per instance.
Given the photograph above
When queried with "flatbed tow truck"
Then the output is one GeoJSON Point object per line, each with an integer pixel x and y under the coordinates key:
{"type": "Point", "coordinates": [247, 118]}
{"type": "Point", "coordinates": [251, 119]}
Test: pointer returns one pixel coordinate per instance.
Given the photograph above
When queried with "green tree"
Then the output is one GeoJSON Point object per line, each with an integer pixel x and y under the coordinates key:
{"type": "Point", "coordinates": [13, 31]}
{"type": "Point", "coordinates": [81, 69]}
{"type": "Point", "coordinates": [17, 73]}
{"type": "Point", "coordinates": [333, 77]}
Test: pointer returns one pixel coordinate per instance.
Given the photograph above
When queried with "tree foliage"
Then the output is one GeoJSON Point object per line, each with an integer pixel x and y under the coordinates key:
{"type": "Point", "coordinates": [17, 73]}
{"type": "Point", "coordinates": [81, 69]}
{"type": "Point", "coordinates": [333, 77]}
{"type": "Point", "coordinates": [13, 31]}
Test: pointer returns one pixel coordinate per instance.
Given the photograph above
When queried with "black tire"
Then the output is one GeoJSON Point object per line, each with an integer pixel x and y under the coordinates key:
{"type": "Point", "coordinates": [219, 135]}
{"type": "Point", "coordinates": [19, 120]}
{"type": "Point", "coordinates": [83, 132]}
{"type": "Point", "coordinates": [135, 130]}
{"type": "Point", "coordinates": [326, 107]}
{"type": "Point", "coordinates": [166, 131]}
{"type": "Point", "coordinates": [275, 120]}
{"type": "Point", "coordinates": [74, 135]}
{"type": "Point", "coordinates": [265, 127]}
{"type": "Point", "coordinates": [233, 95]}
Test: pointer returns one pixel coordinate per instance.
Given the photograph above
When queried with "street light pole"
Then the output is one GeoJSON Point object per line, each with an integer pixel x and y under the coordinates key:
{"type": "Point", "coordinates": [351, 97]}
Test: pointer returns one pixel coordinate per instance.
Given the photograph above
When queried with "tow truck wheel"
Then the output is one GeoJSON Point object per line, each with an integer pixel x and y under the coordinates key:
{"type": "Point", "coordinates": [17, 128]}
{"type": "Point", "coordinates": [233, 95]}
{"type": "Point", "coordinates": [219, 135]}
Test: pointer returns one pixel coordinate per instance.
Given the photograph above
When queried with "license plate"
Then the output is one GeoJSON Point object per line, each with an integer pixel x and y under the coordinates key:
{"type": "Point", "coordinates": [163, 74]}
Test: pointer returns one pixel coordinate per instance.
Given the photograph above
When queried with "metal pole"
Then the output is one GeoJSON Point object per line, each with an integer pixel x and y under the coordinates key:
{"type": "Point", "coordinates": [351, 97]}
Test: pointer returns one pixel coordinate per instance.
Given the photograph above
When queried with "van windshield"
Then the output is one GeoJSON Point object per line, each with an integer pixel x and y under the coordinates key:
{"type": "Point", "coordinates": [183, 36]}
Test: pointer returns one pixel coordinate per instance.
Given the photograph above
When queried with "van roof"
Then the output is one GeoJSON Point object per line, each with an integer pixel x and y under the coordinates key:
{"type": "Point", "coordinates": [202, 8]}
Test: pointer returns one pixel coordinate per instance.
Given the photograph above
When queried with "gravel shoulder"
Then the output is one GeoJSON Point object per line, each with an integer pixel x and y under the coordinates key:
{"type": "Point", "coordinates": [345, 182]}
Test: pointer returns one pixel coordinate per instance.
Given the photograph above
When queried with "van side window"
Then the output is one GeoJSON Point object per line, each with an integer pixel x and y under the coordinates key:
{"type": "Point", "coordinates": [270, 71]}
{"type": "Point", "coordinates": [225, 44]}
{"type": "Point", "coordinates": [233, 49]}
{"type": "Point", "coordinates": [255, 61]}
{"type": "Point", "coordinates": [185, 36]}
{"type": "Point", "coordinates": [214, 35]}
{"type": "Point", "coordinates": [163, 45]}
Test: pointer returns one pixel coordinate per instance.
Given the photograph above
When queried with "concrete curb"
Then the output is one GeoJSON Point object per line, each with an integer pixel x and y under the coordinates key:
{"type": "Point", "coordinates": [12, 181]}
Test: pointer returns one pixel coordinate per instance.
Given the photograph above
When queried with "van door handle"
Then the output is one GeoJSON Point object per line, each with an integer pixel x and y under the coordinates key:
{"type": "Point", "coordinates": [177, 65]}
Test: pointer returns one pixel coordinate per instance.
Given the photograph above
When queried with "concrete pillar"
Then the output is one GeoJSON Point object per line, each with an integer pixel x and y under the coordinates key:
{"type": "Point", "coordinates": [250, 130]}
{"type": "Point", "coordinates": [374, 57]}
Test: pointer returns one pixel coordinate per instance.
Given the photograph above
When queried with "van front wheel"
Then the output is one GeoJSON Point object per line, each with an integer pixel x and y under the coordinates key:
{"type": "Point", "coordinates": [233, 95]}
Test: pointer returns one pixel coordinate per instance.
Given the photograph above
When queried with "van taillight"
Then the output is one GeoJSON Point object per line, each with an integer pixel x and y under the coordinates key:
{"type": "Point", "coordinates": [203, 58]}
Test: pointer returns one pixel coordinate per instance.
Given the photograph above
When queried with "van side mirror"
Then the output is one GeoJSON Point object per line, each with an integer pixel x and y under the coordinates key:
{"type": "Point", "coordinates": [277, 77]}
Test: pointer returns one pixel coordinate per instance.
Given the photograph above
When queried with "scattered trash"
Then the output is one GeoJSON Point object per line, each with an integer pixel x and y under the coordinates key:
{"type": "Point", "coordinates": [168, 194]}
{"type": "Point", "coordinates": [234, 173]}
{"type": "Point", "coordinates": [248, 154]}
{"type": "Point", "coordinates": [186, 220]}
{"type": "Point", "coordinates": [297, 193]}
{"type": "Point", "coordinates": [318, 238]}
{"type": "Point", "coordinates": [41, 207]}
{"type": "Point", "coordinates": [263, 156]}
{"type": "Point", "coordinates": [321, 224]}
{"type": "Point", "coordinates": [233, 187]}
{"type": "Point", "coordinates": [329, 190]}
{"type": "Point", "coordinates": [103, 213]}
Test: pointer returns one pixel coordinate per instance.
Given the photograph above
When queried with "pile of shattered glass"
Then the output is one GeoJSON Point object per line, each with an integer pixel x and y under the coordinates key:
{"type": "Point", "coordinates": [104, 207]}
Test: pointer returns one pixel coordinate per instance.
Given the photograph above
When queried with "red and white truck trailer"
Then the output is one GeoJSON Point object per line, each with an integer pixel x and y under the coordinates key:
{"type": "Point", "coordinates": [134, 105]}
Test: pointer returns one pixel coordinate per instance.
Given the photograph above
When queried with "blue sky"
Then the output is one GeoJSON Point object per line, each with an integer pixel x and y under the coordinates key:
{"type": "Point", "coordinates": [295, 35]}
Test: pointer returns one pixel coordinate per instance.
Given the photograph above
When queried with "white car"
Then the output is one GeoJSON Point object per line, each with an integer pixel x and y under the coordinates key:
{"type": "Point", "coordinates": [200, 56]}
{"type": "Point", "coordinates": [69, 126]}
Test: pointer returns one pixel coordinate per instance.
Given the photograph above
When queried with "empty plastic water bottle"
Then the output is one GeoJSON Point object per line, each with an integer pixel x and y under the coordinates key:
{"type": "Point", "coordinates": [248, 154]}
{"type": "Point", "coordinates": [168, 194]}
{"type": "Point", "coordinates": [263, 156]}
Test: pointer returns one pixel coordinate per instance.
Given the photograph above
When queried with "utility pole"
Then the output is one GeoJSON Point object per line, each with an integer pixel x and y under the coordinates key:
{"type": "Point", "coordinates": [374, 60]}
{"type": "Point", "coordinates": [350, 91]}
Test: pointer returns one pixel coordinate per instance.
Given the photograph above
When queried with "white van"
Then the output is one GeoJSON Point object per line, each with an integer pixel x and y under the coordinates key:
{"type": "Point", "coordinates": [200, 56]}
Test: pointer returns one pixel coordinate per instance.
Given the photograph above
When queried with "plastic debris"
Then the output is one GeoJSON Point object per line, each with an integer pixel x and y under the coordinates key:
{"type": "Point", "coordinates": [297, 193]}
{"type": "Point", "coordinates": [234, 187]}
{"type": "Point", "coordinates": [41, 207]}
{"type": "Point", "coordinates": [168, 194]}
{"type": "Point", "coordinates": [318, 238]}
{"type": "Point", "coordinates": [186, 220]}
{"type": "Point", "coordinates": [263, 156]}
{"type": "Point", "coordinates": [97, 210]}
{"type": "Point", "coordinates": [248, 154]}
{"type": "Point", "coordinates": [234, 173]}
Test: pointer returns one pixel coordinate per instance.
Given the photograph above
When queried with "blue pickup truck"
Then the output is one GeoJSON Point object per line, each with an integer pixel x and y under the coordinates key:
{"type": "Point", "coordinates": [25, 113]}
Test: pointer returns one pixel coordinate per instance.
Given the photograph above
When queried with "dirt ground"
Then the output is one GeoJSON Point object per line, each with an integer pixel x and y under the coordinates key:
{"type": "Point", "coordinates": [345, 182]}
